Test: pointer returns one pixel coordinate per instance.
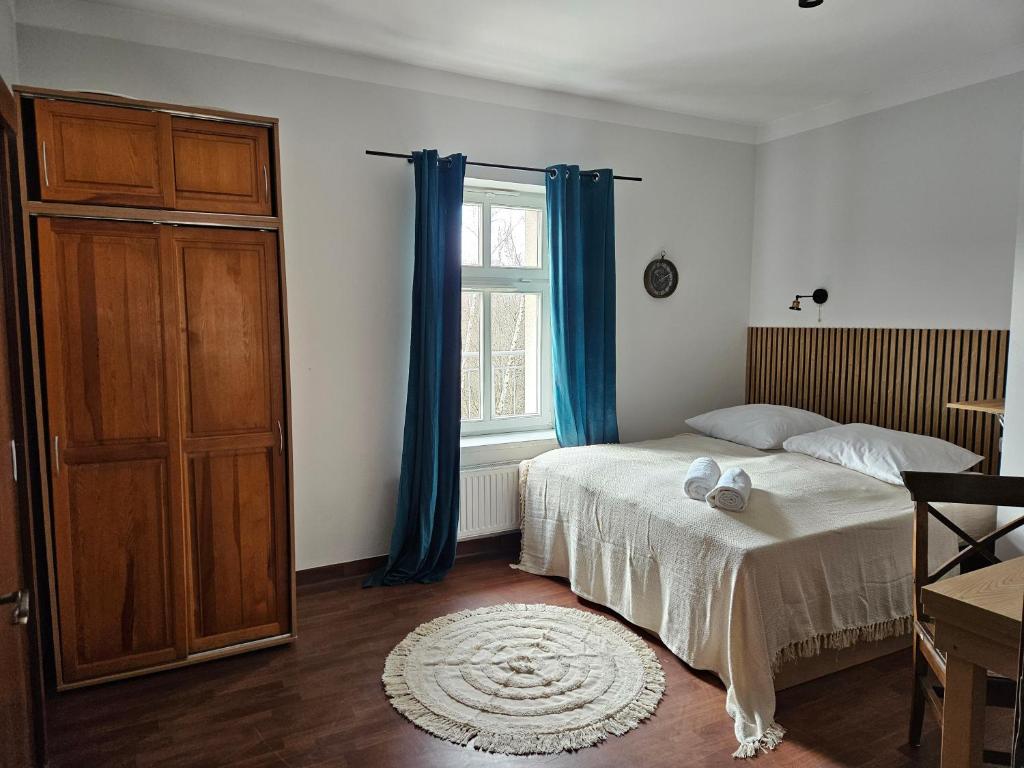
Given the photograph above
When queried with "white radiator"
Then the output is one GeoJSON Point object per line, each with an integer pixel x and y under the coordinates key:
{"type": "Point", "coordinates": [488, 500]}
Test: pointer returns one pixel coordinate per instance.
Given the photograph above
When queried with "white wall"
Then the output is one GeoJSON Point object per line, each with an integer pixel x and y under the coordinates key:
{"type": "Point", "coordinates": [1013, 433]}
{"type": "Point", "coordinates": [348, 224]}
{"type": "Point", "coordinates": [8, 43]}
{"type": "Point", "coordinates": [907, 216]}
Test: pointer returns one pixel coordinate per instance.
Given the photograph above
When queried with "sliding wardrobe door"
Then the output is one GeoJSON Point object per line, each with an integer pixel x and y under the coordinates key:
{"type": "Point", "coordinates": [234, 435]}
{"type": "Point", "coordinates": [109, 335]}
{"type": "Point", "coordinates": [89, 153]}
{"type": "Point", "coordinates": [222, 167]}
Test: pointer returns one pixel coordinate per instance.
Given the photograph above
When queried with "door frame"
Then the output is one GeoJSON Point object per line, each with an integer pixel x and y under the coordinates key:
{"type": "Point", "coordinates": [11, 324]}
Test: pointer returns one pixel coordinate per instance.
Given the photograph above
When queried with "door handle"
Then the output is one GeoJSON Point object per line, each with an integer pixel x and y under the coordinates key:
{"type": "Point", "coordinates": [266, 181]}
{"type": "Point", "coordinates": [14, 460]}
{"type": "Point", "coordinates": [46, 167]}
{"type": "Point", "coordinates": [56, 453]}
{"type": "Point", "coordinates": [22, 603]}
{"type": "Point", "coordinates": [280, 437]}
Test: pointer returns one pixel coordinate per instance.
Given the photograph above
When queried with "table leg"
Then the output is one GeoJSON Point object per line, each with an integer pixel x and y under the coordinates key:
{"type": "Point", "coordinates": [963, 714]}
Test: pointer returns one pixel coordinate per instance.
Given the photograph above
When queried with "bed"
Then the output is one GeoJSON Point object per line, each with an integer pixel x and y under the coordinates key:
{"type": "Point", "coordinates": [819, 560]}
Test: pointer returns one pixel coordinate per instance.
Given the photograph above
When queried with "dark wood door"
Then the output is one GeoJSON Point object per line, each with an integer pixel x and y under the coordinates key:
{"type": "Point", "coordinates": [221, 167]}
{"type": "Point", "coordinates": [234, 435]}
{"type": "Point", "coordinates": [20, 715]}
{"type": "Point", "coordinates": [109, 300]}
{"type": "Point", "coordinates": [90, 153]}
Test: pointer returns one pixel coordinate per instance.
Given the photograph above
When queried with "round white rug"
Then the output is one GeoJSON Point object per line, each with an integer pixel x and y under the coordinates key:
{"type": "Point", "coordinates": [523, 679]}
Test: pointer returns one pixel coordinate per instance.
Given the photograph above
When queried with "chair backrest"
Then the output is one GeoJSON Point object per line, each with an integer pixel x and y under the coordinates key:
{"type": "Point", "coordinates": [927, 488]}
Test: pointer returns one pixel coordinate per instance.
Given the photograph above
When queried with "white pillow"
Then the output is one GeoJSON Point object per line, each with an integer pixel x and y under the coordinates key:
{"type": "Point", "coordinates": [882, 453]}
{"type": "Point", "coordinates": [759, 426]}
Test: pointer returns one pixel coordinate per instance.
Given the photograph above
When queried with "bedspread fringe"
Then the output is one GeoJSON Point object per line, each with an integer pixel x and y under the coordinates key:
{"type": "Point", "coordinates": [771, 738]}
{"type": "Point", "coordinates": [842, 638]}
{"type": "Point", "coordinates": [524, 473]}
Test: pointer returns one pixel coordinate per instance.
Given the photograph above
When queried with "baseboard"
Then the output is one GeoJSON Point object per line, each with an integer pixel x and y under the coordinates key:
{"type": "Point", "coordinates": [485, 546]}
{"type": "Point", "coordinates": [339, 570]}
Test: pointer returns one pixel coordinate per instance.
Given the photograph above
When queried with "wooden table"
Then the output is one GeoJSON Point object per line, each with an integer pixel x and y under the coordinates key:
{"type": "Point", "coordinates": [977, 625]}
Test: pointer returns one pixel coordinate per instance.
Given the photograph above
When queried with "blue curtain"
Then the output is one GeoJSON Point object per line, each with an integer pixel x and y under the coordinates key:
{"type": "Point", "coordinates": [581, 241]}
{"type": "Point", "coordinates": [427, 515]}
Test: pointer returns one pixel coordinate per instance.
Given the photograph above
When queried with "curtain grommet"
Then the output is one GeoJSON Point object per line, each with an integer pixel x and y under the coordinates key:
{"type": "Point", "coordinates": [597, 176]}
{"type": "Point", "coordinates": [553, 173]}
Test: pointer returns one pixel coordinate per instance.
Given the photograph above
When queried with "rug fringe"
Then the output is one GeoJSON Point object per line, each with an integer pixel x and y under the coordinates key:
{"type": "Point", "coordinates": [842, 638]}
{"type": "Point", "coordinates": [523, 742]}
{"type": "Point", "coordinates": [768, 741]}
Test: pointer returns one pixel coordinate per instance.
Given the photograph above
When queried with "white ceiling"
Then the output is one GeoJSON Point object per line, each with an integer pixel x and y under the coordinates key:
{"type": "Point", "coordinates": [750, 61]}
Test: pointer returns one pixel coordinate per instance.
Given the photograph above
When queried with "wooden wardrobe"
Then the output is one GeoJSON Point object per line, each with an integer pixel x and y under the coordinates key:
{"type": "Point", "coordinates": [161, 381]}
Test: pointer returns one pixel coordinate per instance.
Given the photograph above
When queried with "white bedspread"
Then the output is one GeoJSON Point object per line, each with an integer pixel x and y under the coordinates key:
{"type": "Point", "coordinates": [821, 558]}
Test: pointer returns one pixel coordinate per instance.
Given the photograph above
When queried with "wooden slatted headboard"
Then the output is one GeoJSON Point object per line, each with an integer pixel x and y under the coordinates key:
{"type": "Point", "coordinates": [891, 377]}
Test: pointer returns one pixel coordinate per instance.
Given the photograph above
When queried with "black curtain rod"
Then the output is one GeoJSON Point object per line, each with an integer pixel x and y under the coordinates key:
{"type": "Point", "coordinates": [377, 153]}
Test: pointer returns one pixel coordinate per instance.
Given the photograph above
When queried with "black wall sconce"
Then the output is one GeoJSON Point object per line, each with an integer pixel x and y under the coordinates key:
{"type": "Point", "coordinates": [819, 297]}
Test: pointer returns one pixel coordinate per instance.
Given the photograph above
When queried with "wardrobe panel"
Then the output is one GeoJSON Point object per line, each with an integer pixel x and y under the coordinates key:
{"type": "Point", "coordinates": [230, 320]}
{"type": "Point", "coordinates": [237, 570]}
{"type": "Point", "coordinates": [222, 167]}
{"type": "Point", "coordinates": [92, 153]}
{"type": "Point", "coordinates": [108, 284]}
{"type": "Point", "coordinates": [117, 547]}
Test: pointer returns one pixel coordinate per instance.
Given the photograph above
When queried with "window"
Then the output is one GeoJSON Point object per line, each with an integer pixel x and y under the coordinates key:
{"type": "Point", "coordinates": [506, 351]}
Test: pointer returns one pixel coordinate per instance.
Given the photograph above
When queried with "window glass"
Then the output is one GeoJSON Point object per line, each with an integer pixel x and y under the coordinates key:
{"type": "Point", "coordinates": [515, 354]}
{"type": "Point", "coordinates": [515, 237]}
{"type": "Point", "coordinates": [472, 380]}
{"type": "Point", "coordinates": [472, 236]}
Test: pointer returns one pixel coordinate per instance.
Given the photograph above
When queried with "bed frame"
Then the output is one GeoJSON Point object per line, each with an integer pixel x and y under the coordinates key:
{"type": "Point", "coordinates": [896, 378]}
{"type": "Point", "coordinates": [890, 377]}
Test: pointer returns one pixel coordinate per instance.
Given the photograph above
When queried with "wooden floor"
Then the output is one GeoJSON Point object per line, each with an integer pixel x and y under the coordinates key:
{"type": "Point", "coordinates": [320, 701]}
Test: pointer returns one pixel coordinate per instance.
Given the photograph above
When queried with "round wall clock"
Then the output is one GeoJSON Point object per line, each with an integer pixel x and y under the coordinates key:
{"type": "Point", "coordinates": [661, 277]}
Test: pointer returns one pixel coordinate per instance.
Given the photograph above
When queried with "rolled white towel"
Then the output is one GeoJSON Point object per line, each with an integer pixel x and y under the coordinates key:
{"type": "Point", "coordinates": [701, 478]}
{"type": "Point", "coordinates": [732, 491]}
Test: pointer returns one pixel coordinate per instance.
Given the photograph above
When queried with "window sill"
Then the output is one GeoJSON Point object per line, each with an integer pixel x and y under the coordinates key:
{"type": "Point", "coordinates": [506, 448]}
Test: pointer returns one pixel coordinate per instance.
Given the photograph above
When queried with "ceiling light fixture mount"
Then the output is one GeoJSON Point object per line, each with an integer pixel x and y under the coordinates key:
{"type": "Point", "coordinates": [810, 3]}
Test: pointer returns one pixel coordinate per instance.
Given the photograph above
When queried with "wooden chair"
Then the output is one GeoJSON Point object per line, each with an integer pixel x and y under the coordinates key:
{"type": "Point", "coordinates": [925, 489]}
{"type": "Point", "coordinates": [1017, 756]}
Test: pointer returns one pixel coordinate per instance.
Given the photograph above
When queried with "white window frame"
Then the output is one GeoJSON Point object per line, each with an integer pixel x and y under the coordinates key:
{"type": "Point", "coordinates": [488, 280]}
